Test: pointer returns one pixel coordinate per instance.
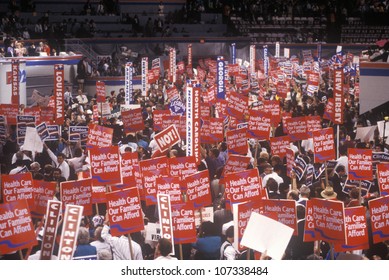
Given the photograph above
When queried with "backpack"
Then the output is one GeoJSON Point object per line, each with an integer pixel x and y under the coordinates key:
{"type": "Point", "coordinates": [237, 255]}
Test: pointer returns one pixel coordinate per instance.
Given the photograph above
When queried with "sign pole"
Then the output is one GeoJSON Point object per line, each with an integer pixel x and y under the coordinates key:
{"type": "Point", "coordinates": [97, 209]}
{"type": "Point", "coordinates": [130, 243]}
{"type": "Point", "coordinates": [181, 254]}
{"type": "Point", "coordinates": [360, 192]}
{"type": "Point", "coordinates": [337, 142]}
{"type": "Point", "coordinates": [326, 173]}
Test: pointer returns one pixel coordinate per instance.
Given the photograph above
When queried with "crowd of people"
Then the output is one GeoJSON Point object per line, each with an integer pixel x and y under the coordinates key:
{"type": "Point", "coordinates": [63, 160]}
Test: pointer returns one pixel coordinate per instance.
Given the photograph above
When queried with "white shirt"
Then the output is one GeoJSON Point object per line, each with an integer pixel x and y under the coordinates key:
{"type": "Point", "coordinates": [342, 160]}
{"type": "Point", "coordinates": [64, 166]}
{"type": "Point", "coordinates": [121, 247]}
{"type": "Point", "coordinates": [273, 175]}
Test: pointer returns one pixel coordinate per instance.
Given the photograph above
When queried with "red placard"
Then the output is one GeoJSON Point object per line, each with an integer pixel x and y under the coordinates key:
{"type": "Point", "coordinates": [237, 141]}
{"type": "Point", "coordinates": [383, 178]}
{"type": "Point", "coordinates": [43, 192]}
{"type": "Point", "coordinates": [241, 220]}
{"type": "Point", "coordinates": [18, 187]}
{"type": "Point", "coordinates": [133, 120]}
{"type": "Point", "coordinates": [324, 144]}
{"type": "Point", "coordinates": [167, 138]}
{"type": "Point", "coordinates": [98, 194]}
{"type": "Point", "coordinates": [329, 110]}
{"type": "Point", "coordinates": [235, 163]}
{"type": "Point", "coordinates": [283, 210]}
{"type": "Point", "coordinates": [160, 163]}
{"type": "Point", "coordinates": [99, 136]}
{"type": "Point", "coordinates": [184, 227]}
{"type": "Point", "coordinates": [47, 115]}
{"type": "Point", "coordinates": [243, 186]}
{"type": "Point", "coordinates": [290, 160]}
{"type": "Point", "coordinates": [360, 165]}
{"type": "Point", "coordinates": [237, 105]}
{"type": "Point", "coordinates": [313, 123]}
{"type": "Point", "coordinates": [325, 221]}
{"type": "Point", "coordinates": [124, 211]}
{"type": "Point", "coordinates": [100, 91]}
{"type": "Point", "coordinates": [129, 166]}
{"type": "Point", "coordinates": [259, 125]}
{"type": "Point", "coordinates": [17, 229]}
{"type": "Point", "coordinates": [78, 193]}
{"type": "Point", "coordinates": [198, 189]}
{"type": "Point", "coordinates": [379, 218]}
{"type": "Point", "coordinates": [54, 208]}
{"type": "Point", "coordinates": [71, 224]}
{"type": "Point", "coordinates": [157, 118]}
{"type": "Point", "coordinates": [279, 145]}
{"type": "Point", "coordinates": [105, 166]}
{"type": "Point", "coordinates": [9, 111]}
{"type": "Point", "coordinates": [59, 85]}
{"type": "Point", "coordinates": [150, 185]}
{"type": "Point", "coordinates": [338, 96]}
{"type": "Point", "coordinates": [182, 167]}
{"type": "Point", "coordinates": [356, 230]}
{"type": "Point", "coordinates": [170, 186]}
{"type": "Point", "coordinates": [296, 128]}
{"type": "Point", "coordinates": [212, 130]}
{"type": "Point", "coordinates": [273, 107]}
{"type": "Point", "coordinates": [205, 110]}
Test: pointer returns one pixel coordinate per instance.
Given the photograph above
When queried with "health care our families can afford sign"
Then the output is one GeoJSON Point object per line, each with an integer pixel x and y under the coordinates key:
{"type": "Point", "coordinates": [198, 189]}
{"type": "Point", "coordinates": [78, 193]}
{"type": "Point", "coordinates": [324, 146]}
{"type": "Point", "coordinates": [356, 230]}
{"type": "Point", "coordinates": [184, 227]}
{"type": "Point", "coordinates": [16, 227]}
{"type": "Point", "coordinates": [132, 120]}
{"type": "Point", "coordinates": [18, 187]}
{"type": "Point", "coordinates": [243, 186]}
{"type": "Point", "coordinates": [325, 221]}
{"type": "Point", "coordinates": [124, 211]}
{"type": "Point", "coordinates": [99, 136]}
{"type": "Point", "coordinates": [379, 217]}
{"type": "Point", "coordinates": [237, 141]}
{"type": "Point", "coordinates": [360, 165]}
{"type": "Point", "coordinates": [105, 165]}
{"type": "Point", "coordinates": [383, 178]}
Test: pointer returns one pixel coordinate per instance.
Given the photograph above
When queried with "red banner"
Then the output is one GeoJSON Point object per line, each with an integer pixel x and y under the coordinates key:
{"type": "Point", "coordinates": [78, 193]}
{"type": "Point", "coordinates": [243, 186]}
{"type": "Point", "coordinates": [184, 228]}
{"type": "Point", "coordinates": [15, 81]}
{"type": "Point", "coordinates": [167, 138]}
{"type": "Point", "coordinates": [383, 178]}
{"type": "Point", "coordinates": [16, 227]}
{"type": "Point", "coordinates": [296, 128]}
{"type": "Point", "coordinates": [59, 85]}
{"type": "Point", "coordinates": [360, 165]}
{"type": "Point", "coordinates": [132, 120]}
{"type": "Point", "coordinates": [212, 130]}
{"type": "Point", "coordinates": [198, 189]}
{"type": "Point", "coordinates": [105, 166]}
{"type": "Point", "coordinates": [324, 144]}
{"type": "Point", "coordinates": [193, 122]}
{"type": "Point", "coordinates": [356, 230]}
{"type": "Point", "coordinates": [157, 118]}
{"type": "Point", "coordinates": [124, 211]}
{"type": "Point", "coordinates": [237, 141]}
{"type": "Point", "coordinates": [165, 218]}
{"type": "Point", "coordinates": [338, 96]}
{"type": "Point", "coordinates": [325, 221]}
{"type": "Point", "coordinates": [100, 91]}
{"type": "Point", "coordinates": [259, 125]}
{"type": "Point", "coordinates": [99, 136]}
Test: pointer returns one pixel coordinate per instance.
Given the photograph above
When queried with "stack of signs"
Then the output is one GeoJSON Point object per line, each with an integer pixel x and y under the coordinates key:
{"type": "Point", "coordinates": [78, 193]}
{"type": "Point", "coordinates": [325, 221]}
{"type": "Point", "coordinates": [17, 229]}
{"type": "Point", "coordinates": [124, 211]}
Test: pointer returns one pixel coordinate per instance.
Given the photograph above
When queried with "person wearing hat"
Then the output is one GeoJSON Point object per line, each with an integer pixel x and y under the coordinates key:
{"type": "Point", "coordinates": [328, 193]}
